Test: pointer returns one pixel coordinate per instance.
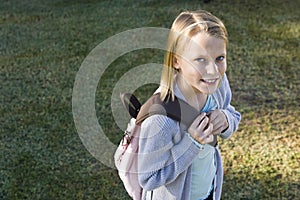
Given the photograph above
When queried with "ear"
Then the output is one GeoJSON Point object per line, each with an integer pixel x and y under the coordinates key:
{"type": "Point", "coordinates": [176, 64]}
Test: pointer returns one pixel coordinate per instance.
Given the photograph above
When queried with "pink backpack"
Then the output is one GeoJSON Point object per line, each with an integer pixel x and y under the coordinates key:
{"type": "Point", "coordinates": [126, 160]}
{"type": "Point", "coordinates": [126, 155]}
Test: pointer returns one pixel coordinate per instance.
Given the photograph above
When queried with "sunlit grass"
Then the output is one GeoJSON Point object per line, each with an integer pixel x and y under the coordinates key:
{"type": "Point", "coordinates": [42, 46]}
{"type": "Point", "coordinates": [263, 157]}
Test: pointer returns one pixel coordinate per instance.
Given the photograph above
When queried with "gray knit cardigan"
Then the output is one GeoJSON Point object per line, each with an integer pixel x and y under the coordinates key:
{"type": "Point", "coordinates": [166, 152]}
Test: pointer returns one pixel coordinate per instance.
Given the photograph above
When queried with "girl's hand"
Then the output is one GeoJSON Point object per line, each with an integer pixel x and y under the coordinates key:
{"type": "Point", "coordinates": [201, 129]}
{"type": "Point", "coordinates": [219, 121]}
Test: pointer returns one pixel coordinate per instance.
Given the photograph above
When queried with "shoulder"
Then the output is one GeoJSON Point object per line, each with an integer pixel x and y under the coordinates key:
{"type": "Point", "coordinates": [159, 123]}
{"type": "Point", "coordinates": [158, 132]}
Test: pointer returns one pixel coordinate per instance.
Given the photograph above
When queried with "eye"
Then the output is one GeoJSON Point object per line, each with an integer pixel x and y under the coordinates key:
{"type": "Point", "coordinates": [220, 58]}
{"type": "Point", "coordinates": [200, 59]}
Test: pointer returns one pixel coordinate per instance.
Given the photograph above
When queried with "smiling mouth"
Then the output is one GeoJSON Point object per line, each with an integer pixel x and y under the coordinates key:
{"type": "Point", "coordinates": [210, 81]}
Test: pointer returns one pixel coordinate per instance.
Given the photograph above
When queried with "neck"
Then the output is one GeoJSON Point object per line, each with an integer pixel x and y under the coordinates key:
{"type": "Point", "coordinates": [193, 97]}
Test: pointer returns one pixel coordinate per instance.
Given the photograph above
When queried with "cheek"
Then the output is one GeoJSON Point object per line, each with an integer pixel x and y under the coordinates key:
{"type": "Point", "coordinates": [189, 69]}
{"type": "Point", "coordinates": [196, 72]}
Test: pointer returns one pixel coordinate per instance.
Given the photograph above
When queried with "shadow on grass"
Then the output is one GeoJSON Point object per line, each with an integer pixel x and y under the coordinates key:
{"type": "Point", "coordinates": [243, 185]}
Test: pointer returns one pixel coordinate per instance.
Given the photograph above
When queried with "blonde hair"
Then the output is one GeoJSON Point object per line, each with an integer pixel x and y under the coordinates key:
{"type": "Point", "coordinates": [187, 25]}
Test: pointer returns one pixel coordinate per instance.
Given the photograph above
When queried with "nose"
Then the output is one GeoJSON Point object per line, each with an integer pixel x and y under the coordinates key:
{"type": "Point", "coordinates": [212, 68]}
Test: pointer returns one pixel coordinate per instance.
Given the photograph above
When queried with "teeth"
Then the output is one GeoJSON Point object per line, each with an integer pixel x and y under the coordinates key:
{"type": "Point", "coordinates": [210, 81]}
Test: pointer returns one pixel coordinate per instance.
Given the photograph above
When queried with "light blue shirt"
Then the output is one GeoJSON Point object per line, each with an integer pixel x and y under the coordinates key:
{"type": "Point", "coordinates": [203, 166]}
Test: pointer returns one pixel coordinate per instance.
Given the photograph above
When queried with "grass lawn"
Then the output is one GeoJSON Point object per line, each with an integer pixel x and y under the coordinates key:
{"type": "Point", "coordinates": [42, 46]}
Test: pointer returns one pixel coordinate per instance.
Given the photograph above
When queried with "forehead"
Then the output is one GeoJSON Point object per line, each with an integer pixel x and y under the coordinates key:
{"type": "Point", "coordinates": [205, 44]}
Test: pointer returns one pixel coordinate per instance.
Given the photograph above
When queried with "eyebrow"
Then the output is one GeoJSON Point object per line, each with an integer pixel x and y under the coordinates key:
{"type": "Point", "coordinates": [222, 54]}
{"type": "Point", "coordinates": [205, 56]}
{"type": "Point", "coordinates": [201, 56]}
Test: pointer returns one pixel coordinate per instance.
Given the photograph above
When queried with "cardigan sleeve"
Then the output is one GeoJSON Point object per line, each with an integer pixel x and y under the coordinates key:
{"type": "Point", "coordinates": [164, 153]}
{"type": "Point", "coordinates": [223, 97]}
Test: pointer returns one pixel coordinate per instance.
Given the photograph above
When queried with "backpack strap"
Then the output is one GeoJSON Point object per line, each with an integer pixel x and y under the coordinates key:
{"type": "Point", "coordinates": [131, 103]}
{"type": "Point", "coordinates": [178, 109]}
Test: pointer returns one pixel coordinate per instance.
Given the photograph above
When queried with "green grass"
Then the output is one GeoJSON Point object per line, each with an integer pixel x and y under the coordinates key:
{"type": "Point", "coordinates": [42, 45]}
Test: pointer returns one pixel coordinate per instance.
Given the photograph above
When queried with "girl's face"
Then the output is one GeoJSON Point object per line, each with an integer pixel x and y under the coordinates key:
{"type": "Point", "coordinates": [201, 63]}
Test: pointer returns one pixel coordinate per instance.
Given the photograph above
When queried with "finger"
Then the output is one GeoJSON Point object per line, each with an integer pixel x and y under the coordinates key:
{"type": "Point", "coordinates": [214, 121]}
{"type": "Point", "coordinates": [208, 130]}
{"type": "Point", "coordinates": [203, 124]}
{"type": "Point", "coordinates": [198, 119]}
{"type": "Point", "coordinates": [212, 116]}
{"type": "Point", "coordinates": [219, 128]}
{"type": "Point", "coordinates": [203, 136]}
{"type": "Point", "coordinates": [217, 131]}
{"type": "Point", "coordinates": [220, 124]}
{"type": "Point", "coordinates": [209, 139]}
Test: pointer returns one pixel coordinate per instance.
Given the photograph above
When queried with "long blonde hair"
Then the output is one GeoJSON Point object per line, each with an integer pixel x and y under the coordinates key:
{"type": "Point", "coordinates": [186, 25]}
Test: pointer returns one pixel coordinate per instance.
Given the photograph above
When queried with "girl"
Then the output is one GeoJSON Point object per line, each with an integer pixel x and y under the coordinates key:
{"type": "Point", "coordinates": [178, 162]}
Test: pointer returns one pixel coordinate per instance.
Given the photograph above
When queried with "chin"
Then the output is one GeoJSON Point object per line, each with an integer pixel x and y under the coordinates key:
{"type": "Point", "coordinates": [208, 90]}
